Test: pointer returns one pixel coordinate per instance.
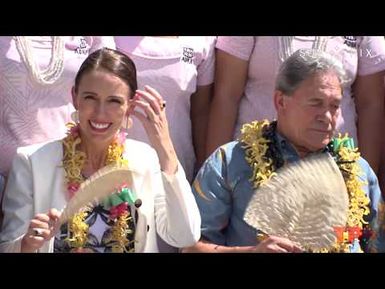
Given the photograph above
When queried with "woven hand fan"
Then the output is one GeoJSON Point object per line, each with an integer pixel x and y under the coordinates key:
{"type": "Point", "coordinates": [304, 202]}
{"type": "Point", "coordinates": [104, 182]}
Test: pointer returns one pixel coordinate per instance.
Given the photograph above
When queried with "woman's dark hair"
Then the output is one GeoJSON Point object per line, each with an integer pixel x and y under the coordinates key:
{"type": "Point", "coordinates": [112, 61]}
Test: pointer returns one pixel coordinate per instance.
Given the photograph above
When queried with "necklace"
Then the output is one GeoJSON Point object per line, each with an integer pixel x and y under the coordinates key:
{"type": "Point", "coordinates": [264, 158]}
{"type": "Point", "coordinates": [55, 67]}
{"type": "Point", "coordinates": [121, 236]}
{"type": "Point", "coordinates": [285, 44]}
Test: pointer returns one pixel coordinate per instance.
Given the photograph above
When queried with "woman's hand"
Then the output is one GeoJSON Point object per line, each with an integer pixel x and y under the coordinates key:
{"type": "Point", "coordinates": [153, 118]}
{"type": "Point", "coordinates": [41, 229]}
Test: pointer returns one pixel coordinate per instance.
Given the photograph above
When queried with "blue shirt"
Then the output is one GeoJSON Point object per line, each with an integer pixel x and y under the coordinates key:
{"type": "Point", "coordinates": [223, 189]}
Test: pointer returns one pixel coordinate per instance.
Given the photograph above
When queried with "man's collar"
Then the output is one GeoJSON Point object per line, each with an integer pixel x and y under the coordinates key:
{"type": "Point", "coordinates": [288, 151]}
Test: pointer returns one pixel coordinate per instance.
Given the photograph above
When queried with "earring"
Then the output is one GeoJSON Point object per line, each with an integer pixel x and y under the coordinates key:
{"type": "Point", "coordinates": [75, 116]}
{"type": "Point", "coordinates": [127, 123]}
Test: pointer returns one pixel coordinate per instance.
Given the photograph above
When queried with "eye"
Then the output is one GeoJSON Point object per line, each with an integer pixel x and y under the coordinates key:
{"type": "Point", "coordinates": [89, 97]}
{"type": "Point", "coordinates": [115, 100]}
{"type": "Point", "coordinates": [315, 103]}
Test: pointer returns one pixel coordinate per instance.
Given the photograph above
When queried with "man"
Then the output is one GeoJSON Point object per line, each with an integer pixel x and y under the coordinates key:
{"type": "Point", "coordinates": [307, 99]}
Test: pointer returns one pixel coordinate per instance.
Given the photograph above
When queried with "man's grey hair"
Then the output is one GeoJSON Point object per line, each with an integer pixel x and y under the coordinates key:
{"type": "Point", "coordinates": [303, 64]}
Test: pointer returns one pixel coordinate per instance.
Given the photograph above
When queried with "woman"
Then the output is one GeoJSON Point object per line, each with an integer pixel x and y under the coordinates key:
{"type": "Point", "coordinates": [44, 177]}
{"type": "Point", "coordinates": [182, 70]}
{"type": "Point", "coordinates": [36, 74]}
{"type": "Point", "coordinates": [245, 73]}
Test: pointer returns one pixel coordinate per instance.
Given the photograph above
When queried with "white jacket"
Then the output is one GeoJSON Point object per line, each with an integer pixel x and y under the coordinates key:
{"type": "Point", "coordinates": [36, 184]}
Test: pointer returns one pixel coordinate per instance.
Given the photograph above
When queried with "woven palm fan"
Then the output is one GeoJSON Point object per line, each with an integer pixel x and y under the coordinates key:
{"type": "Point", "coordinates": [304, 202]}
{"type": "Point", "coordinates": [101, 184]}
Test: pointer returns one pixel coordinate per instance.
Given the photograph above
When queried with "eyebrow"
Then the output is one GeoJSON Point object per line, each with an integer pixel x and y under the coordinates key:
{"type": "Point", "coordinates": [94, 93]}
{"type": "Point", "coordinates": [116, 96]}
{"type": "Point", "coordinates": [89, 92]}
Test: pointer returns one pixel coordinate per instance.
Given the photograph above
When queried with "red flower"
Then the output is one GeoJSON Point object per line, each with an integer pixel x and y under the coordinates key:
{"type": "Point", "coordinates": [74, 130]}
{"type": "Point", "coordinates": [72, 188]}
{"type": "Point", "coordinates": [118, 210]}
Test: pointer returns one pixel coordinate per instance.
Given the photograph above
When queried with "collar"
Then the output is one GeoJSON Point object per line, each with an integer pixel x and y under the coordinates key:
{"type": "Point", "coordinates": [288, 151]}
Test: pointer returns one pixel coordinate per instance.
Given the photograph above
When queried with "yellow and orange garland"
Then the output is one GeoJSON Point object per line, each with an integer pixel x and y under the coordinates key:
{"type": "Point", "coordinates": [256, 146]}
{"type": "Point", "coordinates": [73, 161]}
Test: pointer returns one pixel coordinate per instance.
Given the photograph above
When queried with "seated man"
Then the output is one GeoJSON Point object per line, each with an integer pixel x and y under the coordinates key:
{"type": "Point", "coordinates": [307, 98]}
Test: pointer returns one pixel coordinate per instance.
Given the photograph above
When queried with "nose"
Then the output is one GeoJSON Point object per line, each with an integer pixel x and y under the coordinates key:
{"type": "Point", "coordinates": [325, 116]}
{"type": "Point", "coordinates": [100, 109]}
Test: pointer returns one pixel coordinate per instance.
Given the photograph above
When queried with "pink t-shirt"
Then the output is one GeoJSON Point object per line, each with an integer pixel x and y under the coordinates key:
{"type": "Point", "coordinates": [30, 112]}
{"type": "Point", "coordinates": [359, 55]}
{"type": "Point", "coordinates": [174, 67]}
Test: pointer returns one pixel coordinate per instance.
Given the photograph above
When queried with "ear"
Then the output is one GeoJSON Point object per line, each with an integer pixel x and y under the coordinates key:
{"type": "Point", "coordinates": [74, 97]}
{"type": "Point", "coordinates": [279, 100]}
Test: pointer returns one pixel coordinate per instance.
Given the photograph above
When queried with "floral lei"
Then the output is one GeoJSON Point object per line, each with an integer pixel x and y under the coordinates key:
{"type": "Point", "coordinates": [260, 147]}
{"type": "Point", "coordinates": [73, 160]}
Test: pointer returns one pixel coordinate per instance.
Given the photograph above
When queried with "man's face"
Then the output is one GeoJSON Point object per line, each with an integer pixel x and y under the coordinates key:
{"type": "Point", "coordinates": [309, 116]}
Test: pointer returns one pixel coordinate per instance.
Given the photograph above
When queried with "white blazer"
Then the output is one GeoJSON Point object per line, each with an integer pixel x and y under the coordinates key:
{"type": "Point", "coordinates": [36, 183]}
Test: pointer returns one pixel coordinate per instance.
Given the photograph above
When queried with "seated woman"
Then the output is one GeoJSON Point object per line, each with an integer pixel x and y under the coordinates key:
{"type": "Point", "coordinates": [44, 177]}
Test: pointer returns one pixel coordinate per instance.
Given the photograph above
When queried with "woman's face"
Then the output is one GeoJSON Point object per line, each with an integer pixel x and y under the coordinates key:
{"type": "Point", "coordinates": [102, 102]}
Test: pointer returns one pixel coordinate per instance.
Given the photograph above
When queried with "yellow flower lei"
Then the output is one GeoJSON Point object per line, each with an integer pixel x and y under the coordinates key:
{"type": "Point", "coordinates": [256, 146]}
{"type": "Point", "coordinates": [73, 161]}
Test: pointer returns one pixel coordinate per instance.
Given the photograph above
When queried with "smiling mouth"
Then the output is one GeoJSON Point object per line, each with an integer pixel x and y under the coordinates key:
{"type": "Point", "coordinates": [99, 126]}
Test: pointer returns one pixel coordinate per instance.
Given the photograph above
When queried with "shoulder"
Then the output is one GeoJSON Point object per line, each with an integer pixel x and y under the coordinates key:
{"type": "Point", "coordinates": [238, 46]}
{"type": "Point", "coordinates": [366, 170]}
{"type": "Point", "coordinates": [199, 42]}
{"type": "Point", "coordinates": [47, 155]}
{"type": "Point", "coordinates": [40, 149]}
{"type": "Point", "coordinates": [230, 147]}
{"type": "Point", "coordinates": [228, 152]}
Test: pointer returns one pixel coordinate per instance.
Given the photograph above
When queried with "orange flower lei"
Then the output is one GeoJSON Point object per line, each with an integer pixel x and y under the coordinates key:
{"type": "Point", "coordinates": [73, 161]}
{"type": "Point", "coordinates": [256, 146]}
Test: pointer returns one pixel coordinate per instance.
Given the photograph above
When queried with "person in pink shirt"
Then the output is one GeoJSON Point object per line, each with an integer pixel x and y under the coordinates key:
{"type": "Point", "coordinates": [36, 76]}
{"type": "Point", "coordinates": [182, 70]}
{"type": "Point", "coordinates": [245, 73]}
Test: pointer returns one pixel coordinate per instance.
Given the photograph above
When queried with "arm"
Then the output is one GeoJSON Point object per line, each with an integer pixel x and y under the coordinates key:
{"type": "Point", "coordinates": [271, 244]}
{"type": "Point", "coordinates": [230, 80]}
{"type": "Point", "coordinates": [381, 174]}
{"type": "Point", "coordinates": [177, 215]}
{"type": "Point", "coordinates": [19, 228]}
{"type": "Point", "coordinates": [376, 242]}
{"type": "Point", "coordinates": [369, 99]}
{"type": "Point", "coordinates": [17, 204]}
{"type": "Point", "coordinates": [154, 120]}
{"type": "Point", "coordinates": [204, 246]}
{"type": "Point", "coordinates": [213, 190]}
{"type": "Point", "coordinates": [200, 106]}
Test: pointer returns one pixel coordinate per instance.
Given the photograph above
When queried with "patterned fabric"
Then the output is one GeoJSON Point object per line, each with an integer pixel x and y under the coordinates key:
{"type": "Point", "coordinates": [98, 236]}
{"type": "Point", "coordinates": [223, 189]}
